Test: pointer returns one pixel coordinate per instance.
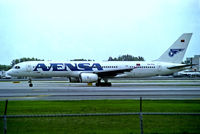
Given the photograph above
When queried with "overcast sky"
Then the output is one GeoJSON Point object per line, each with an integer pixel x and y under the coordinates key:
{"type": "Point", "coordinates": [95, 29]}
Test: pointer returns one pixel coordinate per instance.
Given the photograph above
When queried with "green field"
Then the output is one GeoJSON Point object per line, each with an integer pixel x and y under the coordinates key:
{"type": "Point", "coordinates": [153, 124]}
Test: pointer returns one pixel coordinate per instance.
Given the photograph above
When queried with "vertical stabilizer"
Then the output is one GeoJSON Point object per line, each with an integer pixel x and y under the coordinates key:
{"type": "Point", "coordinates": [176, 52]}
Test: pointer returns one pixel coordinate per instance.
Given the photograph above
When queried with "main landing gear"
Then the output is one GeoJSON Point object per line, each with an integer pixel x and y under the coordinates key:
{"type": "Point", "coordinates": [30, 82]}
{"type": "Point", "coordinates": [103, 84]}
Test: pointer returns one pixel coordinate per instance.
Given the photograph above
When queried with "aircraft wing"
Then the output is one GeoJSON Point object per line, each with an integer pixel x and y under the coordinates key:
{"type": "Point", "coordinates": [112, 73]}
{"type": "Point", "coordinates": [181, 66]}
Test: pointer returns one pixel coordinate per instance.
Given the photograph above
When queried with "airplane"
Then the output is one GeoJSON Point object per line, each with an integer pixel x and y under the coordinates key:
{"type": "Point", "coordinates": [187, 73]}
{"type": "Point", "coordinates": [90, 71]}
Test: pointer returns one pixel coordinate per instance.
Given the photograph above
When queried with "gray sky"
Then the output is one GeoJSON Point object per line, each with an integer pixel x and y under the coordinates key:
{"type": "Point", "coordinates": [95, 29]}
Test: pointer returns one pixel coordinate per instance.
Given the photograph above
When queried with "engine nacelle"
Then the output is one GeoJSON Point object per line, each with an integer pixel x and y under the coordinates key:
{"type": "Point", "coordinates": [74, 80]}
{"type": "Point", "coordinates": [88, 77]}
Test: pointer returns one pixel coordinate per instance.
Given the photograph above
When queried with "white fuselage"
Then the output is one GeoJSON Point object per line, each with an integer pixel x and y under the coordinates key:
{"type": "Point", "coordinates": [75, 68]}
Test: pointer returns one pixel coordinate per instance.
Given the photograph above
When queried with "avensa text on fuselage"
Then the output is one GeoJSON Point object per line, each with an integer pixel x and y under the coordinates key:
{"type": "Point", "coordinates": [68, 66]}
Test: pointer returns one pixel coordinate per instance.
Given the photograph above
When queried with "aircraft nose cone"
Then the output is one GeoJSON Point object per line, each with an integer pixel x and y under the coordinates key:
{"type": "Point", "coordinates": [9, 72]}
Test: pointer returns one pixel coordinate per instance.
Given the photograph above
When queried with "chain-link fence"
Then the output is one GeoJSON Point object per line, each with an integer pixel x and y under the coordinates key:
{"type": "Point", "coordinates": [138, 115]}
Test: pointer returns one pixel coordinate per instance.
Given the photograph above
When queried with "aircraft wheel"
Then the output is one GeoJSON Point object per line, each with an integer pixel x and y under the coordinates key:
{"type": "Point", "coordinates": [107, 84]}
{"type": "Point", "coordinates": [97, 84]}
{"type": "Point", "coordinates": [30, 85]}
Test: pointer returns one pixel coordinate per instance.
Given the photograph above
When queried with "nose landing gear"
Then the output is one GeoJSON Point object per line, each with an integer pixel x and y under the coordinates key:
{"type": "Point", "coordinates": [30, 82]}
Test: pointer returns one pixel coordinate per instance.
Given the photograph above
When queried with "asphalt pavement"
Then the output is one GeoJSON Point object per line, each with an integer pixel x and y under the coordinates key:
{"type": "Point", "coordinates": [125, 89]}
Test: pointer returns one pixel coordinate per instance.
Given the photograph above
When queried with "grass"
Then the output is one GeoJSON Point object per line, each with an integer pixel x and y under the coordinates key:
{"type": "Point", "coordinates": [153, 124]}
{"type": "Point", "coordinates": [99, 106]}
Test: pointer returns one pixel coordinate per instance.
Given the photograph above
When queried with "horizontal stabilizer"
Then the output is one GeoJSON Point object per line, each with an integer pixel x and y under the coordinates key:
{"type": "Point", "coordinates": [181, 66]}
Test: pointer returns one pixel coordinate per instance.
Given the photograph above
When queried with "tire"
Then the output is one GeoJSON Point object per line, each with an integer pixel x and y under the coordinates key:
{"type": "Point", "coordinates": [30, 85]}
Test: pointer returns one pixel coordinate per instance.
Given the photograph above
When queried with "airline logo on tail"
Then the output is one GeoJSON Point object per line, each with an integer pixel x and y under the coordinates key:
{"type": "Point", "coordinates": [172, 52]}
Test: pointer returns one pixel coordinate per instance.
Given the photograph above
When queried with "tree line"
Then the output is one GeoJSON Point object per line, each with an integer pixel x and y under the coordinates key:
{"type": "Point", "coordinates": [126, 58]}
{"type": "Point", "coordinates": [16, 61]}
{"type": "Point", "coordinates": [5, 67]}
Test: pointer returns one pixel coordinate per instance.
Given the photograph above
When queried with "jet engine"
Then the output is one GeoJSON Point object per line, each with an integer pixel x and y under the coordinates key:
{"type": "Point", "coordinates": [88, 77]}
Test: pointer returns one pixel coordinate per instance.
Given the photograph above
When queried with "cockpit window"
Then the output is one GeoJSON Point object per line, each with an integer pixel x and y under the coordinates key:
{"type": "Point", "coordinates": [17, 67]}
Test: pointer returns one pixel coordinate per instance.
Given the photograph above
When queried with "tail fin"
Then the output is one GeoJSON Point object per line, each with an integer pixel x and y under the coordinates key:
{"type": "Point", "coordinates": [176, 52]}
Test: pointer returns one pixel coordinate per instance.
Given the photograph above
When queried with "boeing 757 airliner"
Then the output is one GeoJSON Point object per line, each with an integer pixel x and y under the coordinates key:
{"type": "Point", "coordinates": [91, 71]}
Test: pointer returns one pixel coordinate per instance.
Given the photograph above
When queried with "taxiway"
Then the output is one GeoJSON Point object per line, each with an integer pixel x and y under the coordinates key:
{"type": "Point", "coordinates": [61, 90]}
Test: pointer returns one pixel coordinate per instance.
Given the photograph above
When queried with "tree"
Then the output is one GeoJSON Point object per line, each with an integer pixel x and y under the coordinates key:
{"type": "Point", "coordinates": [5, 67]}
{"type": "Point", "coordinates": [16, 61]}
{"type": "Point", "coordinates": [81, 60]}
{"type": "Point", "coordinates": [126, 58]}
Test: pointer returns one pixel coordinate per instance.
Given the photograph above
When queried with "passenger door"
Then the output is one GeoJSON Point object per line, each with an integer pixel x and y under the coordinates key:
{"type": "Point", "coordinates": [28, 68]}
